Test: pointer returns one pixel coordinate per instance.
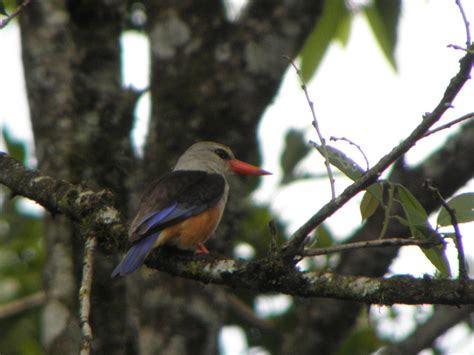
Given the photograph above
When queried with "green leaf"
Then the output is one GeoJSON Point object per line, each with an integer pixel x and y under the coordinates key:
{"type": "Point", "coordinates": [342, 162]}
{"type": "Point", "coordinates": [323, 33]}
{"type": "Point", "coordinates": [383, 17]}
{"type": "Point", "coordinates": [255, 222]}
{"type": "Point", "coordinates": [3, 11]}
{"type": "Point", "coordinates": [413, 209]}
{"type": "Point", "coordinates": [16, 148]}
{"type": "Point", "coordinates": [344, 30]}
{"type": "Point", "coordinates": [463, 205]}
{"type": "Point", "coordinates": [420, 229]}
{"type": "Point", "coordinates": [323, 237]}
{"type": "Point", "coordinates": [437, 254]}
{"type": "Point", "coordinates": [363, 340]}
{"type": "Point", "coordinates": [352, 170]}
{"type": "Point", "coordinates": [371, 200]}
{"type": "Point", "coordinates": [296, 148]}
{"type": "Point", "coordinates": [390, 11]}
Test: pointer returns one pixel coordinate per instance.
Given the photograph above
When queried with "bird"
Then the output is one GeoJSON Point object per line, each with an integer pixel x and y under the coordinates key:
{"type": "Point", "coordinates": [184, 207]}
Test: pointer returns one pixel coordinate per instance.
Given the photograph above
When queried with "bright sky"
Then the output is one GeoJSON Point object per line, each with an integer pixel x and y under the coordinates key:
{"type": "Point", "coordinates": [357, 95]}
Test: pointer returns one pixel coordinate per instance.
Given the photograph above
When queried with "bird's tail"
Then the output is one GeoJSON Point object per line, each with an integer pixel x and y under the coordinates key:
{"type": "Point", "coordinates": [135, 256]}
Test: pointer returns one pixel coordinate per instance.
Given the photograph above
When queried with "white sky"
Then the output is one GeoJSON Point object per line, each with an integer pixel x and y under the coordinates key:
{"type": "Point", "coordinates": [356, 94]}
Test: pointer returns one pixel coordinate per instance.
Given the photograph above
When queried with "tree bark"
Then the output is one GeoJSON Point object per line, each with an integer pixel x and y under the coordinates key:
{"type": "Point", "coordinates": [82, 118]}
{"type": "Point", "coordinates": [211, 79]}
{"type": "Point", "coordinates": [71, 58]}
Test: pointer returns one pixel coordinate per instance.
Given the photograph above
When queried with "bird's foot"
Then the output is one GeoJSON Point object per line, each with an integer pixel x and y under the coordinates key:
{"type": "Point", "coordinates": [201, 249]}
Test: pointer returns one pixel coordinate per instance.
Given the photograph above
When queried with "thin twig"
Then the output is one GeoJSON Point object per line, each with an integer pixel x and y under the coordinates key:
{"type": "Point", "coordinates": [273, 235]}
{"type": "Point", "coordinates": [22, 304]}
{"type": "Point", "coordinates": [295, 243]}
{"type": "Point", "coordinates": [466, 23]}
{"type": "Point", "coordinates": [355, 145]}
{"type": "Point", "coordinates": [449, 124]}
{"type": "Point", "coordinates": [389, 242]}
{"type": "Point", "coordinates": [386, 218]}
{"type": "Point", "coordinates": [458, 240]}
{"type": "Point", "coordinates": [460, 48]}
{"type": "Point", "coordinates": [84, 296]}
{"type": "Point", "coordinates": [316, 127]}
{"type": "Point", "coordinates": [15, 13]}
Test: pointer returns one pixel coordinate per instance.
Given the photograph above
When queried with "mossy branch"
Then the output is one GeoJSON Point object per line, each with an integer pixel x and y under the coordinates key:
{"type": "Point", "coordinates": [95, 211]}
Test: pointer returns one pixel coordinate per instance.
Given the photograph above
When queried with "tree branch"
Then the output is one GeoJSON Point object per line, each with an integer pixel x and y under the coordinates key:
{"type": "Point", "coordinates": [14, 14]}
{"type": "Point", "coordinates": [297, 239]}
{"type": "Point", "coordinates": [269, 275]}
{"type": "Point", "coordinates": [425, 335]}
{"type": "Point", "coordinates": [22, 304]}
{"type": "Point", "coordinates": [390, 242]}
{"type": "Point", "coordinates": [449, 124]}
{"type": "Point", "coordinates": [94, 212]}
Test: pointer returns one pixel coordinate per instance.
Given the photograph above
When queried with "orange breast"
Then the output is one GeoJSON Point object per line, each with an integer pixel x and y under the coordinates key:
{"type": "Point", "coordinates": [192, 231]}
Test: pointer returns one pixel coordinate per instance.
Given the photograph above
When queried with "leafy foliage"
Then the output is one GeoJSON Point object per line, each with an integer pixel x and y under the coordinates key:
{"type": "Point", "coordinates": [326, 29]}
{"type": "Point", "coordinates": [371, 200]}
{"type": "Point", "coordinates": [15, 148]}
{"type": "Point", "coordinates": [383, 17]}
{"type": "Point", "coordinates": [323, 237]}
{"type": "Point", "coordinates": [254, 230]}
{"type": "Point", "coordinates": [334, 24]}
{"type": "Point", "coordinates": [3, 10]}
{"type": "Point", "coordinates": [341, 161]}
{"type": "Point", "coordinates": [7, 6]}
{"type": "Point", "coordinates": [463, 206]}
{"type": "Point", "coordinates": [416, 217]}
{"type": "Point", "coordinates": [296, 149]}
{"type": "Point", "coordinates": [420, 229]}
{"type": "Point", "coordinates": [21, 264]}
{"type": "Point", "coordinates": [363, 340]}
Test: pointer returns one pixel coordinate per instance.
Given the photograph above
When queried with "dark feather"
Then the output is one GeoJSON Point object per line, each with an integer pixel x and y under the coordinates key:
{"type": "Point", "coordinates": [135, 256]}
{"type": "Point", "coordinates": [174, 197]}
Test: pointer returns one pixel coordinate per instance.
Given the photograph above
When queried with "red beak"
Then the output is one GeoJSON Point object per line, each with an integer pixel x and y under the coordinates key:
{"type": "Point", "coordinates": [241, 167]}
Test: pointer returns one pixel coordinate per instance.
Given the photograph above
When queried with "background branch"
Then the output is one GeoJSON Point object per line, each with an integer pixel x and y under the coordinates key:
{"type": "Point", "coordinates": [85, 296]}
{"type": "Point", "coordinates": [390, 242]}
{"type": "Point", "coordinates": [425, 335]}
{"type": "Point", "coordinates": [22, 304]}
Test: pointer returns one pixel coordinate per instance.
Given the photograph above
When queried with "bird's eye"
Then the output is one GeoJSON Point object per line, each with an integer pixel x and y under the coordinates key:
{"type": "Point", "coordinates": [222, 154]}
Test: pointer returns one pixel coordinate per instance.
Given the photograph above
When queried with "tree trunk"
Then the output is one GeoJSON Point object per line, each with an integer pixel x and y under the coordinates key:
{"type": "Point", "coordinates": [211, 80]}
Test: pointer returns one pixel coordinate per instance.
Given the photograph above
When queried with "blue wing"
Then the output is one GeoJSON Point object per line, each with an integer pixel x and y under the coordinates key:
{"type": "Point", "coordinates": [149, 229]}
{"type": "Point", "coordinates": [157, 220]}
{"type": "Point", "coordinates": [135, 256]}
{"type": "Point", "coordinates": [170, 200]}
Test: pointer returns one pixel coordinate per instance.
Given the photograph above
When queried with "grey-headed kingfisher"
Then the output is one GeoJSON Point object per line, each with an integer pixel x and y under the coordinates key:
{"type": "Point", "coordinates": [184, 207]}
